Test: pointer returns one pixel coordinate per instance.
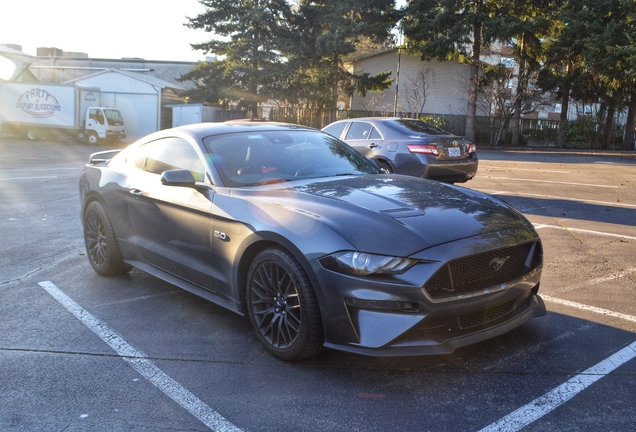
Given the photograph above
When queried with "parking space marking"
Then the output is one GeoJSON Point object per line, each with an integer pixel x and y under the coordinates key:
{"type": "Point", "coordinates": [607, 203]}
{"type": "Point", "coordinates": [536, 409]}
{"type": "Point", "coordinates": [561, 394]}
{"type": "Point", "coordinates": [553, 182]}
{"type": "Point", "coordinates": [597, 281]}
{"type": "Point", "coordinates": [587, 201]}
{"type": "Point", "coordinates": [599, 311]}
{"type": "Point", "coordinates": [28, 178]}
{"type": "Point", "coordinates": [539, 170]}
{"type": "Point", "coordinates": [584, 231]}
{"type": "Point", "coordinates": [139, 361]}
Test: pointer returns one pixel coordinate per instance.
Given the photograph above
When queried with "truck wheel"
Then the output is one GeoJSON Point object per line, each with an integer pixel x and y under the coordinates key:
{"type": "Point", "coordinates": [92, 138]}
{"type": "Point", "coordinates": [32, 135]}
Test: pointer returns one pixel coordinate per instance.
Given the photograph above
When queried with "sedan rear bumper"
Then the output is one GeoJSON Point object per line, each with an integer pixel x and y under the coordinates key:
{"type": "Point", "coordinates": [430, 167]}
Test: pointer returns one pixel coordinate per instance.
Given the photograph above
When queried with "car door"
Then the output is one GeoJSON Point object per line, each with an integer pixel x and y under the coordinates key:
{"type": "Point", "coordinates": [172, 224]}
{"type": "Point", "coordinates": [364, 138]}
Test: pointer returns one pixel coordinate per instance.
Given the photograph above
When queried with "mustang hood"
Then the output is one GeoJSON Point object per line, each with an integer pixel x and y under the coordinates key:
{"type": "Point", "coordinates": [395, 214]}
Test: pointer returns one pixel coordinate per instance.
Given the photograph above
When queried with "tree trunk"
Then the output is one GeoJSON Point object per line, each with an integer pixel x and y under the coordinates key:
{"type": "Point", "coordinates": [609, 126]}
{"type": "Point", "coordinates": [471, 111]}
{"type": "Point", "coordinates": [334, 89]}
{"type": "Point", "coordinates": [516, 120]}
{"type": "Point", "coordinates": [565, 106]}
{"type": "Point", "coordinates": [628, 142]}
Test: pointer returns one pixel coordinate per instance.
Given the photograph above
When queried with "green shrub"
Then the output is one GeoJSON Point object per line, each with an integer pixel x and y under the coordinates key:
{"type": "Point", "coordinates": [438, 122]}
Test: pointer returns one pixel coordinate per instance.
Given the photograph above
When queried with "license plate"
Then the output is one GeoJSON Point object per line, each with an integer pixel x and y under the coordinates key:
{"type": "Point", "coordinates": [454, 152]}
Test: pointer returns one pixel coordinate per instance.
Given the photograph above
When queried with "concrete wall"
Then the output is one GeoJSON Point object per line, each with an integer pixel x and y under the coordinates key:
{"type": "Point", "coordinates": [445, 89]}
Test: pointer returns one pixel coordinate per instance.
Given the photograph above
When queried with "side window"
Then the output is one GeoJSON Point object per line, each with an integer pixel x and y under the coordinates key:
{"type": "Point", "coordinates": [359, 130]}
{"type": "Point", "coordinates": [96, 115]}
{"type": "Point", "coordinates": [335, 130]}
{"type": "Point", "coordinates": [375, 134]}
{"type": "Point", "coordinates": [168, 154]}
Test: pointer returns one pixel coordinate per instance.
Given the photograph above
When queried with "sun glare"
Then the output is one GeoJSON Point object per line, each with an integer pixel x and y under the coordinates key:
{"type": "Point", "coordinates": [7, 68]}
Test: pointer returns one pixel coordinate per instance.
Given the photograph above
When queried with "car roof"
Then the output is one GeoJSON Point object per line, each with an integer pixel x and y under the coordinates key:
{"type": "Point", "coordinates": [199, 131]}
{"type": "Point", "coordinates": [375, 119]}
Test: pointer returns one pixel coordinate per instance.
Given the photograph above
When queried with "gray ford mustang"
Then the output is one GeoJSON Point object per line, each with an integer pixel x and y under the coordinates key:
{"type": "Point", "coordinates": [311, 240]}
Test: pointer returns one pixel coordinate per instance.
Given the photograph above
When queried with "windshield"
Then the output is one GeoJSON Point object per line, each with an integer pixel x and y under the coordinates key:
{"type": "Point", "coordinates": [408, 127]}
{"type": "Point", "coordinates": [254, 158]}
{"type": "Point", "coordinates": [114, 117]}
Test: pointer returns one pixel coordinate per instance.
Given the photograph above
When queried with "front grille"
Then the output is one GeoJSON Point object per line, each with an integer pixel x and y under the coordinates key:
{"type": "Point", "coordinates": [482, 317]}
{"type": "Point", "coordinates": [485, 270]}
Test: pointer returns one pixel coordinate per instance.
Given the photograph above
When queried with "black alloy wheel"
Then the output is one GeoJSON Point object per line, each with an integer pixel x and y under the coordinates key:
{"type": "Point", "coordinates": [101, 244]}
{"type": "Point", "coordinates": [282, 306]}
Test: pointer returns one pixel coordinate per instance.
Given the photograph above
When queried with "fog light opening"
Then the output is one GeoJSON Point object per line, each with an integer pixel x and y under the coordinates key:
{"type": "Point", "coordinates": [383, 305]}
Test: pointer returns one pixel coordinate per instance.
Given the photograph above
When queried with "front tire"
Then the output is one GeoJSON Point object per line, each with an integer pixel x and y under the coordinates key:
{"type": "Point", "coordinates": [101, 243]}
{"type": "Point", "coordinates": [92, 138]}
{"type": "Point", "coordinates": [282, 306]}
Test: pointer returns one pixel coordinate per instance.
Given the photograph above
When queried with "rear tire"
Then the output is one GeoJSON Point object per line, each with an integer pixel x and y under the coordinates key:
{"type": "Point", "coordinates": [385, 166]}
{"type": "Point", "coordinates": [282, 306]}
{"type": "Point", "coordinates": [101, 243]}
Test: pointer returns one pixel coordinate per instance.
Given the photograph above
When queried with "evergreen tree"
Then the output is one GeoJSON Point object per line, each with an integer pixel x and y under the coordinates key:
{"type": "Point", "coordinates": [523, 24]}
{"type": "Point", "coordinates": [564, 64]}
{"type": "Point", "coordinates": [610, 62]}
{"type": "Point", "coordinates": [247, 43]}
{"type": "Point", "coordinates": [451, 30]}
{"type": "Point", "coordinates": [322, 34]}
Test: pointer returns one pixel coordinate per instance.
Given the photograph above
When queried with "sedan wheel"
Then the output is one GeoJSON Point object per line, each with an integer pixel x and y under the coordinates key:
{"type": "Point", "coordinates": [282, 306]}
{"type": "Point", "coordinates": [386, 167]}
{"type": "Point", "coordinates": [101, 244]}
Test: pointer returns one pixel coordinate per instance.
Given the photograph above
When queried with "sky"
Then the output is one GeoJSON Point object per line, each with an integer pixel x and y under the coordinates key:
{"type": "Point", "coordinates": [149, 29]}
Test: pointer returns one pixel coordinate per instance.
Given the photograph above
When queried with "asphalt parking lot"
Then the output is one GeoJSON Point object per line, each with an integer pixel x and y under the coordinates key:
{"type": "Point", "coordinates": [132, 353]}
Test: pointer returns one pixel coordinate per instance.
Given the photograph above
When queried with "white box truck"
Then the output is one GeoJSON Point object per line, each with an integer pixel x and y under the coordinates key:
{"type": "Point", "coordinates": [45, 110]}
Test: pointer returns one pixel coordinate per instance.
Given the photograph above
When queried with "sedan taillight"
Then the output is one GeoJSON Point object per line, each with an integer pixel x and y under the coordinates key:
{"type": "Point", "coordinates": [471, 148]}
{"type": "Point", "coordinates": [423, 149]}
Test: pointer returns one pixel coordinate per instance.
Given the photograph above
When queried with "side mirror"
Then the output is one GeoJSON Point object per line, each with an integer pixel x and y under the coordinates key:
{"type": "Point", "coordinates": [179, 177]}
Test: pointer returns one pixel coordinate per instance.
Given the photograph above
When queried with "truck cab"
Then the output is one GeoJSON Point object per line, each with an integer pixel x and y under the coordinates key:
{"type": "Point", "coordinates": [103, 123]}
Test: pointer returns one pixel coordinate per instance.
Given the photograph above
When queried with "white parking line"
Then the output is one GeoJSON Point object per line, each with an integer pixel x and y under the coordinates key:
{"type": "Point", "coordinates": [141, 364]}
{"type": "Point", "coordinates": [607, 203]}
{"type": "Point", "coordinates": [536, 409]}
{"type": "Point", "coordinates": [552, 182]}
{"type": "Point", "coordinates": [538, 170]}
{"type": "Point", "coordinates": [600, 311]}
{"type": "Point", "coordinates": [28, 178]}
{"type": "Point", "coordinates": [597, 281]}
{"type": "Point", "coordinates": [551, 400]}
{"type": "Point", "coordinates": [541, 226]}
{"type": "Point", "coordinates": [561, 394]}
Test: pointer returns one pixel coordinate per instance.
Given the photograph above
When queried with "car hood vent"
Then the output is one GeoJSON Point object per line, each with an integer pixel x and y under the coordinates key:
{"type": "Point", "coordinates": [403, 212]}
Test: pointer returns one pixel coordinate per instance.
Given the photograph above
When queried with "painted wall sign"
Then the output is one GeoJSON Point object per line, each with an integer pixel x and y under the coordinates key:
{"type": "Point", "coordinates": [39, 103]}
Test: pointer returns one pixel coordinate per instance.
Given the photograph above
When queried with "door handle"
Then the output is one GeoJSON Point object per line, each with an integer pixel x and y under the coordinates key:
{"type": "Point", "coordinates": [373, 145]}
{"type": "Point", "coordinates": [137, 192]}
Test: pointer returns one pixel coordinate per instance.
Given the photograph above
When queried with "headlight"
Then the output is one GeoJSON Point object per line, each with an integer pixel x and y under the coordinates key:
{"type": "Point", "coordinates": [363, 264]}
